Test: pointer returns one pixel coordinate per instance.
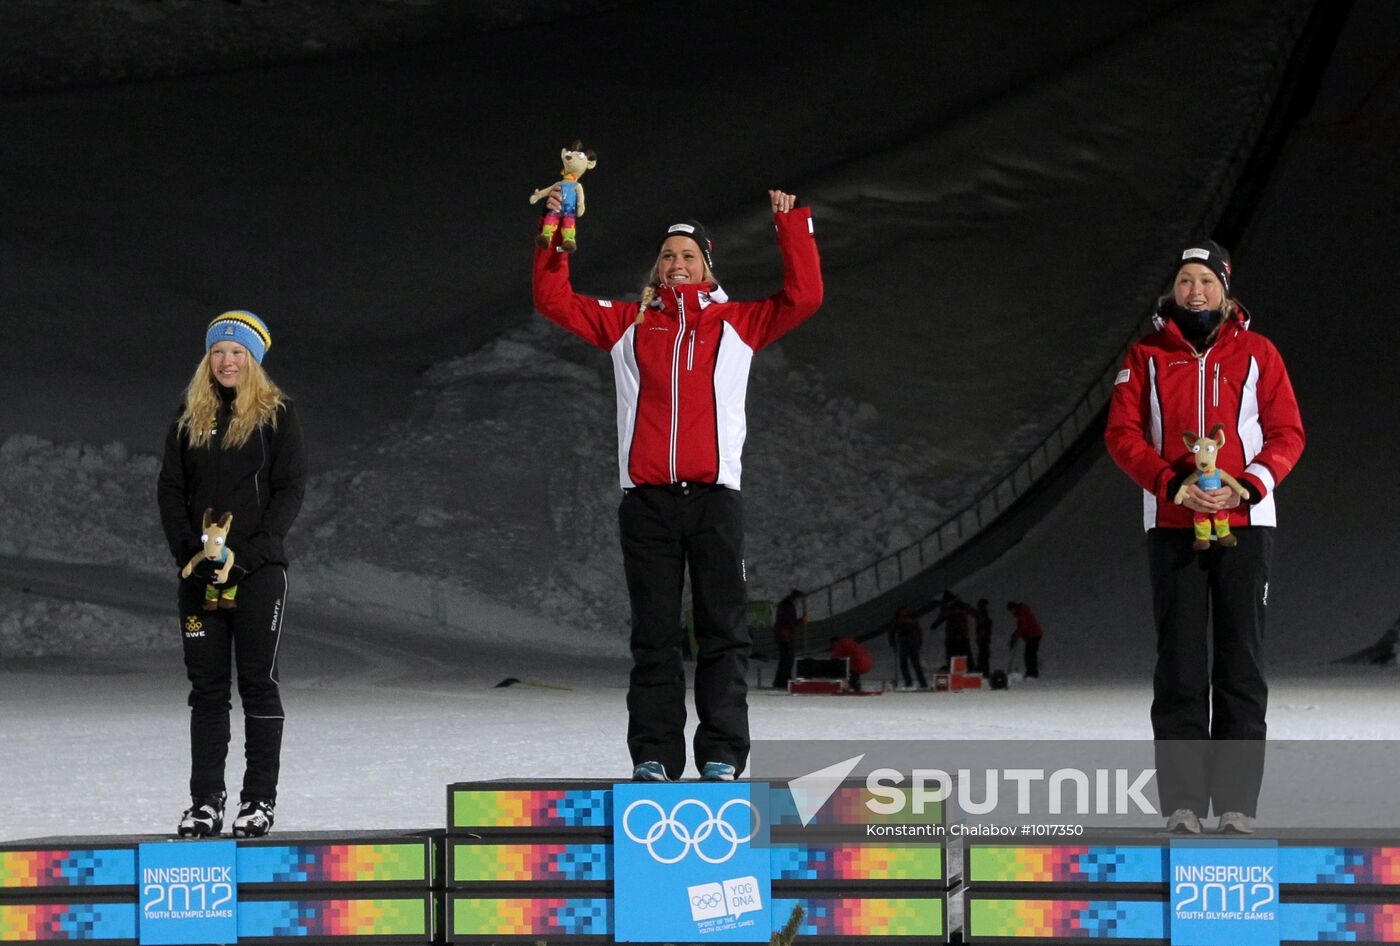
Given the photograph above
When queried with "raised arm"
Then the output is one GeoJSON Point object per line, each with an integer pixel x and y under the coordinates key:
{"type": "Point", "coordinates": [598, 322]}
{"type": "Point", "coordinates": [762, 323]}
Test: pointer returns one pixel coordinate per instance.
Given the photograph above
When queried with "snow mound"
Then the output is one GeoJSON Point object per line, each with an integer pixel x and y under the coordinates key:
{"type": "Point", "coordinates": [492, 506]}
{"type": "Point", "coordinates": [503, 480]}
{"type": "Point", "coordinates": [39, 627]}
{"type": "Point", "coordinates": [79, 502]}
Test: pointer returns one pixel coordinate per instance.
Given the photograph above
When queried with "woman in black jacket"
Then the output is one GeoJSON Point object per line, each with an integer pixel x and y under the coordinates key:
{"type": "Point", "coordinates": [235, 447]}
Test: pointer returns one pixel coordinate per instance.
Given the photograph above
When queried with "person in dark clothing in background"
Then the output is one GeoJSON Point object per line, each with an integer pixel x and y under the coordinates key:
{"type": "Point", "coordinates": [235, 447]}
{"type": "Point", "coordinates": [1028, 630]}
{"type": "Point", "coordinates": [983, 618]}
{"type": "Point", "coordinates": [907, 639]}
{"type": "Point", "coordinates": [785, 625]}
{"type": "Point", "coordinates": [954, 616]}
{"type": "Point", "coordinates": [858, 659]}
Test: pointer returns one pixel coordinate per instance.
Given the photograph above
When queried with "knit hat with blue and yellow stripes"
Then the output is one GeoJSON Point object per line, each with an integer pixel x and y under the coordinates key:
{"type": "Point", "coordinates": [245, 328]}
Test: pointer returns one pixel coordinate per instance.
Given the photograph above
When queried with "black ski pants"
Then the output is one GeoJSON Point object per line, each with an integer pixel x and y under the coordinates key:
{"type": "Point", "coordinates": [1033, 656]}
{"type": "Point", "coordinates": [1209, 696]}
{"type": "Point", "coordinates": [911, 664]}
{"type": "Point", "coordinates": [247, 638]}
{"type": "Point", "coordinates": [666, 530]}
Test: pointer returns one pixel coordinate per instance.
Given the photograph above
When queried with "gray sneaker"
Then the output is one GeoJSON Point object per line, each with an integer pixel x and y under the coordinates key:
{"type": "Point", "coordinates": [1184, 821]}
{"type": "Point", "coordinates": [1235, 822]}
{"type": "Point", "coordinates": [717, 772]}
{"type": "Point", "coordinates": [649, 772]}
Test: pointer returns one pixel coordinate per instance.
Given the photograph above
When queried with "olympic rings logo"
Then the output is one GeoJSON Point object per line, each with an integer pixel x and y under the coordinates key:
{"type": "Point", "coordinates": [690, 839]}
{"type": "Point", "coordinates": [706, 901]}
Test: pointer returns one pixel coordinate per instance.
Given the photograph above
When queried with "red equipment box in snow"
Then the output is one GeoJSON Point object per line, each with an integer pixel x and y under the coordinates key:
{"type": "Point", "coordinates": [957, 665]}
{"type": "Point", "coordinates": [941, 682]}
{"type": "Point", "coordinates": [821, 668]}
{"type": "Point", "coordinates": [821, 687]}
{"type": "Point", "coordinates": [823, 675]}
{"type": "Point", "coordinates": [965, 681]}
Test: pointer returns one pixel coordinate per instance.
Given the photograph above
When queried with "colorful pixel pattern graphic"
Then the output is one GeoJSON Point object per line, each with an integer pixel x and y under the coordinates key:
{"type": "Point", "coordinates": [64, 922]}
{"type": "Point", "coordinates": [532, 808]}
{"type": "Point", "coordinates": [1079, 919]}
{"type": "Point", "coordinates": [1148, 865]}
{"type": "Point", "coordinates": [401, 862]}
{"type": "Point", "coordinates": [1340, 922]}
{"type": "Point", "coordinates": [1067, 864]}
{"type": "Point", "coordinates": [1339, 865]}
{"type": "Point", "coordinates": [857, 862]}
{"type": "Point", "coordinates": [89, 867]}
{"type": "Point", "coordinates": [520, 916]}
{"type": "Point", "coordinates": [510, 863]}
{"type": "Point", "coordinates": [863, 917]}
{"type": "Point", "coordinates": [267, 919]}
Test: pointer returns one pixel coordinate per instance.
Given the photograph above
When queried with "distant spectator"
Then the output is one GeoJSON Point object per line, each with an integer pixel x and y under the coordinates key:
{"type": "Point", "coordinates": [983, 618]}
{"type": "Point", "coordinates": [858, 659]}
{"type": "Point", "coordinates": [907, 638]}
{"type": "Point", "coordinates": [955, 616]}
{"type": "Point", "coordinates": [1028, 630]}
{"type": "Point", "coordinates": [785, 625]}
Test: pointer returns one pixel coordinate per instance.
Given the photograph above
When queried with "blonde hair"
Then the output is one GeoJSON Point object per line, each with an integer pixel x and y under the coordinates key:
{"type": "Point", "coordinates": [653, 282]}
{"type": "Point", "coordinates": [255, 404]}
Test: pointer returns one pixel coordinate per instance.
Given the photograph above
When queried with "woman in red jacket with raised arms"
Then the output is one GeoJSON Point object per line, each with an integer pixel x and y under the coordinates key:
{"type": "Point", "coordinates": [1202, 367]}
{"type": "Point", "coordinates": [681, 359]}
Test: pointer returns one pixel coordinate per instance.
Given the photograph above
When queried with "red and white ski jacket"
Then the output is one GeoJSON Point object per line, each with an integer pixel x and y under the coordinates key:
{"type": "Point", "coordinates": [1167, 388]}
{"type": "Point", "coordinates": [683, 371]}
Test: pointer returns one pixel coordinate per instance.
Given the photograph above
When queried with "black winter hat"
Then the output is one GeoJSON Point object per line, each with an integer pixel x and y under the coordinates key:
{"type": "Point", "coordinates": [1209, 254]}
{"type": "Point", "coordinates": [697, 232]}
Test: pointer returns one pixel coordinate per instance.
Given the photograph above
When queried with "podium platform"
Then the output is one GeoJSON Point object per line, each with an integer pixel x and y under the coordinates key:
{"type": "Point", "coordinates": [520, 862]}
{"type": "Point", "coordinates": [325, 887]}
{"type": "Point", "coordinates": [1115, 886]}
{"type": "Point", "coordinates": [530, 861]}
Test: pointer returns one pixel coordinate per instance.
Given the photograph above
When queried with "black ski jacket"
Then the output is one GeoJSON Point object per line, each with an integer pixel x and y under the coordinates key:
{"type": "Point", "coordinates": [261, 483]}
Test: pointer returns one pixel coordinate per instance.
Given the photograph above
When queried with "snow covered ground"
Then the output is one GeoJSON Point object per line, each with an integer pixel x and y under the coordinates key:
{"type": "Point", "coordinates": [436, 555]}
{"type": "Point", "coordinates": [376, 731]}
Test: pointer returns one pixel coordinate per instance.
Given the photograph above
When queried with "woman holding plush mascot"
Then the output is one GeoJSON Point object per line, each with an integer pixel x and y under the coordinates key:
{"type": "Point", "coordinates": [233, 457]}
{"type": "Point", "coordinates": [681, 359]}
{"type": "Point", "coordinates": [1204, 368]}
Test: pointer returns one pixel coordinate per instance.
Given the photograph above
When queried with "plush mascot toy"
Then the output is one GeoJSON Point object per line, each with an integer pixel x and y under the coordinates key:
{"type": "Point", "coordinates": [216, 595]}
{"type": "Point", "coordinates": [576, 161]}
{"type": "Point", "coordinates": [1206, 450]}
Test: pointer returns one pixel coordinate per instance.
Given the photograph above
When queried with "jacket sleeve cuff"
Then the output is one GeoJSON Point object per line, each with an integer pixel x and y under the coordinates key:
{"type": "Point", "coordinates": [1256, 487]}
{"type": "Point", "coordinates": [797, 219]}
{"type": "Point", "coordinates": [1168, 482]}
{"type": "Point", "coordinates": [1174, 486]}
